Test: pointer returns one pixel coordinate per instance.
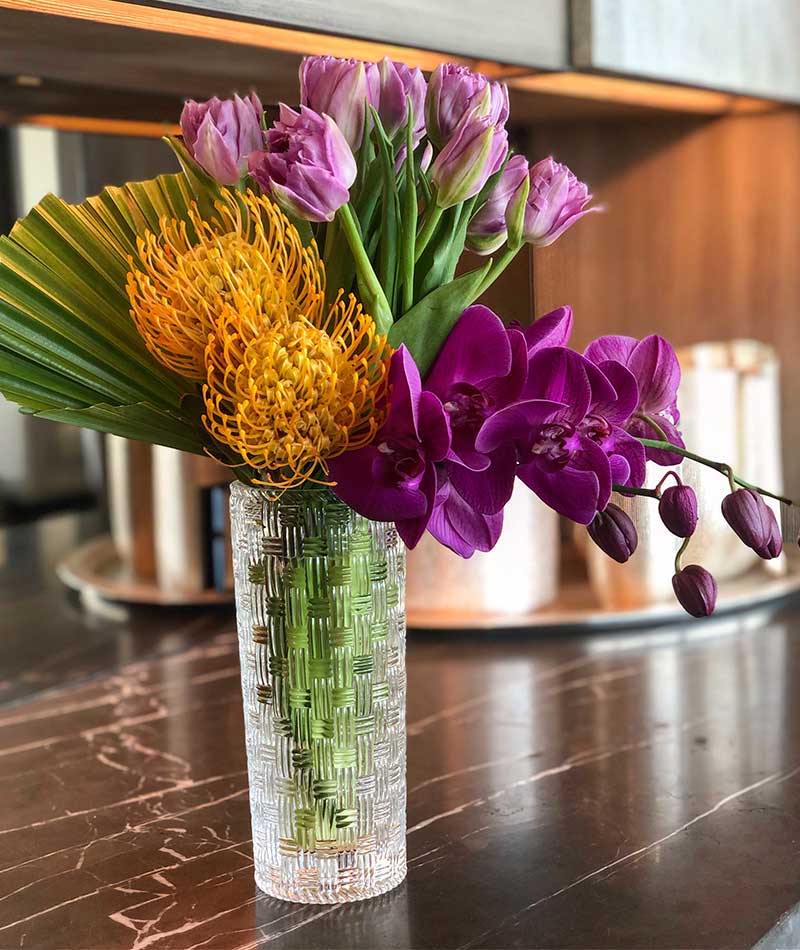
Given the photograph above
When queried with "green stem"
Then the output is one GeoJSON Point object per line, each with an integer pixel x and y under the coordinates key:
{"type": "Point", "coordinates": [409, 224]}
{"type": "Point", "coordinates": [722, 467]}
{"type": "Point", "coordinates": [382, 312]}
{"type": "Point", "coordinates": [432, 217]}
{"type": "Point", "coordinates": [497, 269]}
{"type": "Point", "coordinates": [679, 554]}
{"type": "Point", "coordinates": [653, 425]}
{"type": "Point", "coordinates": [628, 490]}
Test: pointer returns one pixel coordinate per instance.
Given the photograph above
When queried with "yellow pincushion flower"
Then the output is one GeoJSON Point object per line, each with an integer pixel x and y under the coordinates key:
{"type": "Point", "coordinates": [185, 278]}
{"type": "Point", "coordinates": [289, 383]}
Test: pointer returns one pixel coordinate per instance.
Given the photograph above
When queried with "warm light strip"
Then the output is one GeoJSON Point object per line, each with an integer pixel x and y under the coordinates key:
{"type": "Point", "coordinates": [99, 126]}
{"type": "Point", "coordinates": [610, 89]}
{"type": "Point", "coordinates": [636, 92]}
{"type": "Point", "coordinates": [138, 17]}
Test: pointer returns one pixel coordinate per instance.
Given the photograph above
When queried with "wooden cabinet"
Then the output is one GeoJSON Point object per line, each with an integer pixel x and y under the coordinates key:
{"type": "Point", "coordinates": [742, 46]}
{"type": "Point", "coordinates": [520, 32]}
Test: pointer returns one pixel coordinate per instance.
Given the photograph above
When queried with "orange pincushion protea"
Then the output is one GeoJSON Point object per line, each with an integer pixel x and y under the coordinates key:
{"type": "Point", "coordinates": [185, 279]}
{"type": "Point", "coordinates": [289, 383]}
{"type": "Point", "coordinates": [288, 394]}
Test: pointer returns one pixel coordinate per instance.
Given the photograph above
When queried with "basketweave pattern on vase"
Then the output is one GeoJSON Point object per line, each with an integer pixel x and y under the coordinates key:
{"type": "Point", "coordinates": [321, 616]}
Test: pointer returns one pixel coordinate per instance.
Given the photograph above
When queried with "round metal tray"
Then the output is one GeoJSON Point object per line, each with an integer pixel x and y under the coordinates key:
{"type": "Point", "coordinates": [576, 605]}
{"type": "Point", "coordinates": [96, 569]}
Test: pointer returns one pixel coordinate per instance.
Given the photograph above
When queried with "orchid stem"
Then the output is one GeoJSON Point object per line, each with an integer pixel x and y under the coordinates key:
{"type": "Point", "coordinates": [628, 490]}
{"type": "Point", "coordinates": [382, 312]}
{"type": "Point", "coordinates": [425, 235]}
{"type": "Point", "coordinates": [722, 467]}
{"type": "Point", "coordinates": [679, 555]}
{"type": "Point", "coordinates": [653, 425]}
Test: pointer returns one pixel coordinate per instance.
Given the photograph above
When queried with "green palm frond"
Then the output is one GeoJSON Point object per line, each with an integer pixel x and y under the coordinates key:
{"type": "Point", "coordinates": [68, 347]}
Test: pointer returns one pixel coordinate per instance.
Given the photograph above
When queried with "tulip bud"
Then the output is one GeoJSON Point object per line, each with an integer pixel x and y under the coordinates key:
{"type": "Point", "coordinates": [220, 134]}
{"type": "Point", "coordinates": [474, 153]}
{"type": "Point", "coordinates": [398, 85]}
{"type": "Point", "coordinates": [340, 88]}
{"type": "Point", "coordinates": [308, 167]}
{"type": "Point", "coordinates": [488, 230]}
{"type": "Point", "coordinates": [556, 200]}
{"type": "Point", "coordinates": [614, 533]}
{"type": "Point", "coordinates": [696, 590]}
{"type": "Point", "coordinates": [678, 510]}
{"type": "Point", "coordinates": [753, 521]}
{"type": "Point", "coordinates": [453, 93]}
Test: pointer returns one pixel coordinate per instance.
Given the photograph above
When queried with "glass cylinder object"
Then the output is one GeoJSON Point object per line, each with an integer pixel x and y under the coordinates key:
{"type": "Point", "coordinates": [320, 603]}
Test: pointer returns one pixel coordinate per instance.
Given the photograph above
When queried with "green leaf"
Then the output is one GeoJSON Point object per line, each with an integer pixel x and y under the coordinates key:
{"type": "Point", "coordinates": [410, 215]}
{"type": "Point", "coordinates": [428, 324]}
{"type": "Point", "coordinates": [139, 421]}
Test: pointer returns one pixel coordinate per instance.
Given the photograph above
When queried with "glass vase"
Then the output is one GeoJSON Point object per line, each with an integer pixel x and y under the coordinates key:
{"type": "Point", "coordinates": [320, 605]}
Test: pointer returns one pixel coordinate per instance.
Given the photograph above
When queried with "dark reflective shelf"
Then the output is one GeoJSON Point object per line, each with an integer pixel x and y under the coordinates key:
{"type": "Point", "coordinates": [639, 789]}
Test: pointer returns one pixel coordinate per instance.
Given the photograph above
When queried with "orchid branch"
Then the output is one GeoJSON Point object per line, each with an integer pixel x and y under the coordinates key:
{"type": "Point", "coordinates": [722, 467]}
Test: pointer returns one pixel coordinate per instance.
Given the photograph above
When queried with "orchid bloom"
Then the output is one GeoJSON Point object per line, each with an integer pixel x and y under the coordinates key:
{"type": "Point", "coordinates": [567, 429]}
{"type": "Point", "coordinates": [658, 374]}
{"type": "Point", "coordinates": [394, 478]}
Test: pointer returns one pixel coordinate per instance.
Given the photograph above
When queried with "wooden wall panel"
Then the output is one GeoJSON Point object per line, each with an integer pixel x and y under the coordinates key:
{"type": "Point", "coordinates": [700, 240]}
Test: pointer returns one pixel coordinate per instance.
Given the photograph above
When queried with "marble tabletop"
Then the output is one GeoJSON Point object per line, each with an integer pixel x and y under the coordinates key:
{"type": "Point", "coordinates": [637, 789]}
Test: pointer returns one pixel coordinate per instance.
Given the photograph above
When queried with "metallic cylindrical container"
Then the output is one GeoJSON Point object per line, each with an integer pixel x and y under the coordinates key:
{"type": "Point", "coordinates": [730, 412]}
{"type": "Point", "coordinates": [517, 577]}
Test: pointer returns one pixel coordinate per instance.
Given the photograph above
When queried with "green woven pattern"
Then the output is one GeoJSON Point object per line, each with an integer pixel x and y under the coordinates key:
{"type": "Point", "coordinates": [320, 610]}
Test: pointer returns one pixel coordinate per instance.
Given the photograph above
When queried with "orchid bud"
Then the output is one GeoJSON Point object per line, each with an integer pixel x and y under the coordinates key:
{"type": "Point", "coordinates": [220, 134]}
{"type": "Point", "coordinates": [556, 201]}
{"type": "Point", "coordinates": [456, 91]}
{"type": "Point", "coordinates": [696, 590]}
{"type": "Point", "coordinates": [678, 510]}
{"type": "Point", "coordinates": [400, 84]}
{"type": "Point", "coordinates": [614, 533]}
{"type": "Point", "coordinates": [753, 521]}
{"type": "Point", "coordinates": [488, 230]}
{"type": "Point", "coordinates": [308, 167]}
{"type": "Point", "coordinates": [474, 153]}
{"type": "Point", "coordinates": [340, 88]}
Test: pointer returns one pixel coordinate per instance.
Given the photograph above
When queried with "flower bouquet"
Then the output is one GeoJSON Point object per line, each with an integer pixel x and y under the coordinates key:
{"type": "Point", "coordinates": [288, 304]}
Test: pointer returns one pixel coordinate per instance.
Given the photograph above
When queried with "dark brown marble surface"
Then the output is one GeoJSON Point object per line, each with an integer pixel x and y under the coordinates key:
{"type": "Point", "coordinates": [639, 789]}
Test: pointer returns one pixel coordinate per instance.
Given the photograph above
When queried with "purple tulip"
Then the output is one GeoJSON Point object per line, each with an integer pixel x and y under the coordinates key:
{"type": "Point", "coordinates": [475, 152]}
{"type": "Point", "coordinates": [340, 88]}
{"type": "Point", "coordinates": [753, 521]}
{"type": "Point", "coordinates": [696, 590]}
{"type": "Point", "coordinates": [308, 167]}
{"type": "Point", "coordinates": [454, 92]}
{"type": "Point", "coordinates": [220, 134]}
{"type": "Point", "coordinates": [658, 374]}
{"type": "Point", "coordinates": [614, 533]}
{"type": "Point", "coordinates": [555, 202]}
{"type": "Point", "coordinates": [678, 510]}
{"type": "Point", "coordinates": [398, 83]}
{"type": "Point", "coordinates": [488, 230]}
{"type": "Point", "coordinates": [567, 432]}
{"type": "Point", "coordinates": [394, 478]}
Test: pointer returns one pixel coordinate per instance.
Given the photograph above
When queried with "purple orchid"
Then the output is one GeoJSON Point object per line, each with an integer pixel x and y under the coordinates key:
{"type": "Point", "coordinates": [394, 478]}
{"type": "Point", "coordinates": [481, 368]}
{"type": "Point", "coordinates": [658, 374]}
{"type": "Point", "coordinates": [567, 430]}
{"type": "Point", "coordinates": [458, 526]}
